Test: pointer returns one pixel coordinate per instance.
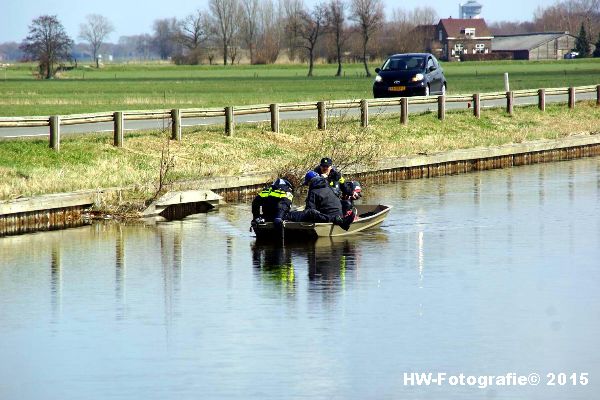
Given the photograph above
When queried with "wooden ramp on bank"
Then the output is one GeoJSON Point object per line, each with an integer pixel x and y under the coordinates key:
{"type": "Point", "coordinates": [178, 205]}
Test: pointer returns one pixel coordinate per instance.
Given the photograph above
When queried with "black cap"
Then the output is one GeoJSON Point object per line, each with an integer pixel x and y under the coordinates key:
{"type": "Point", "coordinates": [326, 162]}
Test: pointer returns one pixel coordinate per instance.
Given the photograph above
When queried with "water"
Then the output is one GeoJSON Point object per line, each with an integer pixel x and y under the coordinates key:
{"type": "Point", "coordinates": [480, 274]}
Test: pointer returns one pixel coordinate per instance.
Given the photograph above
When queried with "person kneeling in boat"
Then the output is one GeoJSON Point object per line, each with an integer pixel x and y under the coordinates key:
{"type": "Point", "coordinates": [273, 203]}
{"type": "Point", "coordinates": [322, 204]}
{"type": "Point", "coordinates": [329, 172]}
{"type": "Point", "coordinates": [349, 191]}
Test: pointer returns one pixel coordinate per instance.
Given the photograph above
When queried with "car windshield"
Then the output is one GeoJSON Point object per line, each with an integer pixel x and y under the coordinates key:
{"type": "Point", "coordinates": [404, 63]}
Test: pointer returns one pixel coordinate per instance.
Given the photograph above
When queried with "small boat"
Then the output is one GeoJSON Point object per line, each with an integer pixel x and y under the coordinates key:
{"type": "Point", "coordinates": [369, 216]}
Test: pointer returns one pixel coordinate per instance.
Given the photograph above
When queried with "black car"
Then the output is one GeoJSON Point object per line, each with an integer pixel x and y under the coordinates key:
{"type": "Point", "coordinates": [414, 74]}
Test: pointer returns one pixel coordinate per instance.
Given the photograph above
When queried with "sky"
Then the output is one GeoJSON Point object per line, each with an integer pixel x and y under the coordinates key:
{"type": "Point", "coordinates": [136, 17]}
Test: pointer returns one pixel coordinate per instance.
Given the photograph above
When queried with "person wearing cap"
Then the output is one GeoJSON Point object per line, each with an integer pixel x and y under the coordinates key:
{"type": "Point", "coordinates": [322, 204]}
{"type": "Point", "coordinates": [329, 172]}
{"type": "Point", "coordinates": [273, 202]}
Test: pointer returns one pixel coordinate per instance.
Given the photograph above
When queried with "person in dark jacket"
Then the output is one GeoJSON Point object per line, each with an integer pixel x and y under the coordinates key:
{"type": "Point", "coordinates": [350, 191]}
{"type": "Point", "coordinates": [273, 202]}
{"type": "Point", "coordinates": [322, 204]}
{"type": "Point", "coordinates": [329, 172]}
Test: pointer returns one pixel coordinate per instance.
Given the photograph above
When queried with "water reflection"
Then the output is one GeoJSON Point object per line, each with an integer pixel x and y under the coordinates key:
{"type": "Point", "coordinates": [55, 281]}
{"type": "Point", "coordinates": [120, 272]}
{"type": "Point", "coordinates": [274, 266]}
{"type": "Point", "coordinates": [329, 263]}
{"type": "Point", "coordinates": [170, 251]}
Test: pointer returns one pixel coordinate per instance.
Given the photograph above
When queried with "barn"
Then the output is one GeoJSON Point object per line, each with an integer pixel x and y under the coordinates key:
{"type": "Point", "coordinates": [533, 46]}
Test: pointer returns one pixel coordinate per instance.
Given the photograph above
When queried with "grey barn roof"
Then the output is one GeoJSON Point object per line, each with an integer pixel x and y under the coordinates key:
{"type": "Point", "coordinates": [525, 41]}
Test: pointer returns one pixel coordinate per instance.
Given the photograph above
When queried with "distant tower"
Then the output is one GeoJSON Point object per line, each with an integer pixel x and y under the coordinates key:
{"type": "Point", "coordinates": [471, 9]}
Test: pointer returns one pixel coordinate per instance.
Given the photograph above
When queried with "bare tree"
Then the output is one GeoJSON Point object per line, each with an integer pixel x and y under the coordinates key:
{"type": "Point", "coordinates": [511, 27]}
{"type": "Point", "coordinates": [250, 25]}
{"type": "Point", "coordinates": [95, 31]}
{"type": "Point", "coordinates": [166, 32]}
{"type": "Point", "coordinates": [409, 31]}
{"type": "Point", "coordinates": [311, 28]}
{"type": "Point", "coordinates": [368, 14]}
{"type": "Point", "coordinates": [270, 32]}
{"type": "Point", "coordinates": [568, 15]}
{"type": "Point", "coordinates": [47, 43]}
{"type": "Point", "coordinates": [226, 19]}
{"type": "Point", "coordinates": [336, 24]}
{"type": "Point", "coordinates": [193, 31]}
{"type": "Point", "coordinates": [293, 10]}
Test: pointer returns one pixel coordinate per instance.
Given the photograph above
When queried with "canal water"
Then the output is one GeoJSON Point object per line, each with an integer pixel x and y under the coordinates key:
{"type": "Point", "coordinates": [483, 274]}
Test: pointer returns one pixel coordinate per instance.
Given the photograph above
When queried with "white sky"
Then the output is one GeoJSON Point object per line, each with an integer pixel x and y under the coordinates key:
{"type": "Point", "coordinates": [136, 17]}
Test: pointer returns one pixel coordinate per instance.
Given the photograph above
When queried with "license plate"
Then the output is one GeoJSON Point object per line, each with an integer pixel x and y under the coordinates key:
{"type": "Point", "coordinates": [397, 88]}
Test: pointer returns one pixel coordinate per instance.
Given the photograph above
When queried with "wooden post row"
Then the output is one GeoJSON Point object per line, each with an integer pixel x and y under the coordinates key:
{"type": "Point", "coordinates": [542, 99]}
{"type": "Point", "coordinates": [598, 95]}
{"type": "Point", "coordinates": [509, 102]}
{"type": "Point", "coordinates": [441, 107]}
{"type": "Point", "coordinates": [55, 133]}
{"type": "Point", "coordinates": [176, 124]}
{"type": "Point", "coordinates": [322, 117]}
{"type": "Point", "coordinates": [404, 110]}
{"type": "Point", "coordinates": [571, 97]}
{"type": "Point", "coordinates": [477, 105]}
{"type": "Point", "coordinates": [364, 113]}
{"type": "Point", "coordinates": [274, 117]}
{"type": "Point", "coordinates": [229, 123]}
{"type": "Point", "coordinates": [118, 129]}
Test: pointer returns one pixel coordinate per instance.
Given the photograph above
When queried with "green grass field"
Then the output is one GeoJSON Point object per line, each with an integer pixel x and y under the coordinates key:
{"type": "Point", "coordinates": [152, 86]}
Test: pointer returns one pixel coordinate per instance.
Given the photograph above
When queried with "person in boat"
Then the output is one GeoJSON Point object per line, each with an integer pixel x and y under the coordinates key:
{"type": "Point", "coordinates": [273, 202]}
{"type": "Point", "coordinates": [322, 204]}
{"type": "Point", "coordinates": [329, 172]}
{"type": "Point", "coordinates": [350, 191]}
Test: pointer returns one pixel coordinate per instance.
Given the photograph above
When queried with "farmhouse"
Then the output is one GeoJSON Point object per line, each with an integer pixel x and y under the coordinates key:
{"type": "Point", "coordinates": [533, 46]}
{"type": "Point", "coordinates": [463, 39]}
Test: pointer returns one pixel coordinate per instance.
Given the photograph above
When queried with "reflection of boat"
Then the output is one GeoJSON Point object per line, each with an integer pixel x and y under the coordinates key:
{"type": "Point", "coordinates": [369, 216]}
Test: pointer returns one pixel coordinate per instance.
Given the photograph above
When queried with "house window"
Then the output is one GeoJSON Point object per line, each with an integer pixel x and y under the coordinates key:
{"type": "Point", "coordinates": [480, 48]}
{"type": "Point", "coordinates": [468, 32]}
{"type": "Point", "coordinates": [440, 35]}
{"type": "Point", "coordinates": [458, 49]}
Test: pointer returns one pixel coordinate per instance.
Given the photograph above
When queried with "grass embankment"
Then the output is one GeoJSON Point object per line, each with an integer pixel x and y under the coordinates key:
{"type": "Point", "coordinates": [153, 86]}
{"type": "Point", "coordinates": [29, 167]}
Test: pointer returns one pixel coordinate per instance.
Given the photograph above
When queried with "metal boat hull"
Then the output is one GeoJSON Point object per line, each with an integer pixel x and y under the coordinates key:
{"type": "Point", "coordinates": [370, 216]}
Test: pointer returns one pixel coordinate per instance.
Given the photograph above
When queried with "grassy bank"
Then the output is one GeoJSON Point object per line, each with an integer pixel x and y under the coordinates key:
{"type": "Point", "coordinates": [29, 167]}
{"type": "Point", "coordinates": [151, 86]}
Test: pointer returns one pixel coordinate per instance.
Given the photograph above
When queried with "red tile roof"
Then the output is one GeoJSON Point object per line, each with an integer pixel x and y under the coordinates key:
{"type": "Point", "coordinates": [453, 26]}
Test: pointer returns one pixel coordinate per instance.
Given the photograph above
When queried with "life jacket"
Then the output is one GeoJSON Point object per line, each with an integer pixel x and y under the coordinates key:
{"type": "Point", "coordinates": [277, 193]}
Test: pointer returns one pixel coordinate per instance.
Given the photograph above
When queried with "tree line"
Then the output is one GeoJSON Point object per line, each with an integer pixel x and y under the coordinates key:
{"type": "Point", "coordinates": [264, 31]}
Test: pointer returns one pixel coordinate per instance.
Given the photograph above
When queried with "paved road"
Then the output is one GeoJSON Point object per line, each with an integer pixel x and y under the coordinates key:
{"type": "Point", "coordinates": [8, 133]}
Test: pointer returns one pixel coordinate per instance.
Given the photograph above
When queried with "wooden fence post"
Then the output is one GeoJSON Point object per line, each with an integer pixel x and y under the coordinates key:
{"type": "Point", "coordinates": [274, 117]}
{"type": "Point", "coordinates": [542, 99]}
{"type": "Point", "coordinates": [321, 111]}
{"type": "Point", "coordinates": [441, 107]}
{"type": "Point", "coordinates": [476, 105]}
{"type": "Point", "coordinates": [404, 110]}
{"type": "Point", "coordinates": [571, 97]}
{"type": "Point", "coordinates": [364, 113]}
{"type": "Point", "coordinates": [509, 102]}
{"type": "Point", "coordinates": [176, 124]}
{"type": "Point", "coordinates": [55, 133]}
{"type": "Point", "coordinates": [118, 129]}
{"type": "Point", "coordinates": [598, 95]}
{"type": "Point", "coordinates": [229, 123]}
